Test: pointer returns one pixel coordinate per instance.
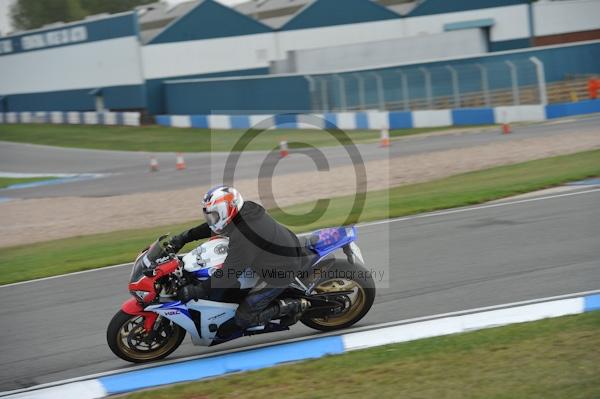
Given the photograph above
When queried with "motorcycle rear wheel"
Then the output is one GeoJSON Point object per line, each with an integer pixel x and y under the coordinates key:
{"type": "Point", "coordinates": [361, 300]}
{"type": "Point", "coordinates": [128, 340]}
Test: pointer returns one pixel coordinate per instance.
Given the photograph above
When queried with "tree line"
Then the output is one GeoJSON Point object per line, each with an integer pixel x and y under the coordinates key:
{"type": "Point", "coordinates": [32, 14]}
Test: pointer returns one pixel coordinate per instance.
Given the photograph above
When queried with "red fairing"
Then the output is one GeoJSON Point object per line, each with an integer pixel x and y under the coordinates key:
{"type": "Point", "coordinates": [167, 268]}
{"type": "Point", "coordinates": [134, 308]}
{"type": "Point", "coordinates": [148, 284]}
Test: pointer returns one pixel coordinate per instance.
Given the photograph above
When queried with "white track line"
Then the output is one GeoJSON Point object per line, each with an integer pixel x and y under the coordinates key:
{"type": "Point", "coordinates": [65, 275]}
{"type": "Point", "coordinates": [367, 224]}
{"type": "Point", "coordinates": [475, 208]}
{"type": "Point", "coordinates": [14, 175]}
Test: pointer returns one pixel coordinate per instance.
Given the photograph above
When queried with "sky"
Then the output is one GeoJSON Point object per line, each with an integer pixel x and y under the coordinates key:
{"type": "Point", "coordinates": [5, 25]}
{"type": "Point", "coordinates": [4, 18]}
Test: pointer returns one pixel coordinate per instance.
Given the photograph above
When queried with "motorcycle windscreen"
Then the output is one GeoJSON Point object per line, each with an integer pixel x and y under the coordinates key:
{"type": "Point", "coordinates": [155, 252]}
{"type": "Point", "coordinates": [138, 269]}
{"type": "Point", "coordinates": [147, 260]}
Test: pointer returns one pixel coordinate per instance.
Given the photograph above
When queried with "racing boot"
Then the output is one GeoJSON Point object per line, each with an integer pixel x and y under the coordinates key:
{"type": "Point", "coordinates": [254, 321]}
{"type": "Point", "coordinates": [228, 331]}
{"type": "Point", "coordinates": [291, 310]}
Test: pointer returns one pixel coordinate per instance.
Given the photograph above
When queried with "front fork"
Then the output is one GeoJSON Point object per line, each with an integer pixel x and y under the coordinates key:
{"type": "Point", "coordinates": [134, 308]}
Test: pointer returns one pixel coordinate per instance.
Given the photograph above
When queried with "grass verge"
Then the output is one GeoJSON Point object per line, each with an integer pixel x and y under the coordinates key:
{"type": "Point", "coordinates": [9, 181]}
{"type": "Point", "coordinates": [159, 138]}
{"type": "Point", "coordinates": [88, 252]}
{"type": "Point", "coordinates": [552, 358]}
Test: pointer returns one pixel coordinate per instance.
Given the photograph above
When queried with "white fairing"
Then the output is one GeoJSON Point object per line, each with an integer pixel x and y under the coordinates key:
{"type": "Point", "coordinates": [210, 313]}
{"type": "Point", "coordinates": [203, 262]}
{"type": "Point", "coordinates": [209, 257]}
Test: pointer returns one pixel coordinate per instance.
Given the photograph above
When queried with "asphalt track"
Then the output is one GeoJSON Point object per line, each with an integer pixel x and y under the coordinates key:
{"type": "Point", "coordinates": [128, 171]}
{"type": "Point", "coordinates": [448, 261]}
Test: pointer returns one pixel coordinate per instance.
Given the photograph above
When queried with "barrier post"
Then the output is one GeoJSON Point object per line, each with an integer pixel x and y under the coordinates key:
{"type": "Point", "coordinates": [404, 81]}
{"type": "Point", "coordinates": [324, 98]}
{"type": "Point", "coordinates": [514, 81]}
{"type": "Point", "coordinates": [541, 79]}
{"type": "Point", "coordinates": [361, 91]}
{"type": "Point", "coordinates": [485, 88]}
{"type": "Point", "coordinates": [380, 93]}
{"type": "Point", "coordinates": [312, 90]}
{"type": "Point", "coordinates": [428, 90]}
{"type": "Point", "coordinates": [343, 102]}
{"type": "Point", "coordinates": [455, 89]}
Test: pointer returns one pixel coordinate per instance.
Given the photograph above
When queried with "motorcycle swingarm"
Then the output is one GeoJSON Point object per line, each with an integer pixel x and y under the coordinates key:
{"type": "Point", "coordinates": [323, 296]}
{"type": "Point", "coordinates": [322, 305]}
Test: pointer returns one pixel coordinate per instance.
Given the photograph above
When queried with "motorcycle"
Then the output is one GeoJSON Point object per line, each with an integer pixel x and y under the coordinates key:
{"type": "Point", "coordinates": [153, 323]}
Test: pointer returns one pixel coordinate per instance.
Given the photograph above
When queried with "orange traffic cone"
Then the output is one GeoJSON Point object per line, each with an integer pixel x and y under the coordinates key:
{"type": "Point", "coordinates": [283, 149]}
{"type": "Point", "coordinates": [153, 164]}
{"type": "Point", "coordinates": [180, 165]}
{"type": "Point", "coordinates": [384, 140]}
{"type": "Point", "coordinates": [506, 125]}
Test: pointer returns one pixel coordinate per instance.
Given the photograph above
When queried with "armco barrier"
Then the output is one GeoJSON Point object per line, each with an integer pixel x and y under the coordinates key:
{"type": "Point", "coordinates": [390, 119]}
{"type": "Point", "coordinates": [364, 120]}
{"type": "Point", "coordinates": [310, 348]}
{"type": "Point", "coordinates": [72, 117]}
{"type": "Point", "coordinates": [570, 109]}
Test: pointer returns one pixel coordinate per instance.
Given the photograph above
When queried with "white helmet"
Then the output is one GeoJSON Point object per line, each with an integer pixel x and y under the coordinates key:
{"type": "Point", "coordinates": [220, 205]}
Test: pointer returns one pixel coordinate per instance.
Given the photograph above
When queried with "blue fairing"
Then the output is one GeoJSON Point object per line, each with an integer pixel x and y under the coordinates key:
{"type": "Point", "coordinates": [177, 305]}
{"type": "Point", "coordinates": [171, 305]}
{"type": "Point", "coordinates": [325, 241]}
{"type": "Point", "coordinates": [202, 273]}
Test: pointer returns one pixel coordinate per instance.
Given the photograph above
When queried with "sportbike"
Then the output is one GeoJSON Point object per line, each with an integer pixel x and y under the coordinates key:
{"type": "Point", "coordinates": [153, 323]}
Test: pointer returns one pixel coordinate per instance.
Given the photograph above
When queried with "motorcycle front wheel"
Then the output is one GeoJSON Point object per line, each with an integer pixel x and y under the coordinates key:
{"type": "Point", "coordinates": [128, 340]}
{"type": "Point", "coordinates": [354, 278]}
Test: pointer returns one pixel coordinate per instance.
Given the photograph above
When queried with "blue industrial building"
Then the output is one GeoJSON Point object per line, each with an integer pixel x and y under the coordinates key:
{"type": "Point", "coordinates": [261, 57]}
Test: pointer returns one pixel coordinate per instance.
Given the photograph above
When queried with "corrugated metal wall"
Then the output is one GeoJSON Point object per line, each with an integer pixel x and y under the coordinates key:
{"type": "Point", "coordinates": [56, 69]}
{"type": "Point", "coordinates": [268, 94]}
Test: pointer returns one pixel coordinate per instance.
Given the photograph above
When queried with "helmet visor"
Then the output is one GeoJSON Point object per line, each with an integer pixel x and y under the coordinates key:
{"type": "Point", "coordinates": [211, 217]}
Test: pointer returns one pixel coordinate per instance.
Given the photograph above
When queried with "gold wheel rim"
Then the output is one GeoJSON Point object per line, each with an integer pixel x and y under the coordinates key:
{"type": "Point", "coordinates": [357, 300]}
{"type": "Point", "coordinates": [135, 325]}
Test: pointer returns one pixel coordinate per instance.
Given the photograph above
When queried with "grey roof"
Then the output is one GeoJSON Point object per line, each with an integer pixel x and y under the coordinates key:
{"type": "Point", "coordinates": [274, 13]}
{"type": "Point", "coordinates": [156, 16]}
{"type": "Point", "coordinates": [402, 7]}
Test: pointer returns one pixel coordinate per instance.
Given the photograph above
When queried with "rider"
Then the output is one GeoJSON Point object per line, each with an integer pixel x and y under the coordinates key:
{"type": "Point", "coordinates": [256, 241]}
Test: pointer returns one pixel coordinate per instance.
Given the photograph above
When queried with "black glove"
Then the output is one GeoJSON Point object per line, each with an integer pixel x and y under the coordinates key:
{"type": "Point", "coordinates": [191, 291]}
{"type": "Point", "coordinates": [148, 272]}
{"type": "Point", "coordinates": [177, 242]}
